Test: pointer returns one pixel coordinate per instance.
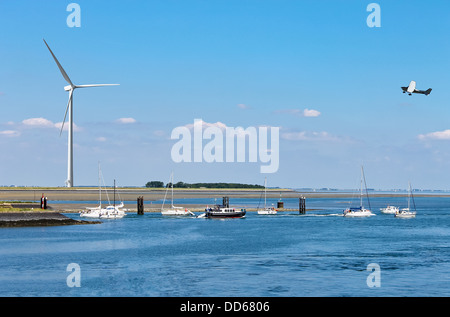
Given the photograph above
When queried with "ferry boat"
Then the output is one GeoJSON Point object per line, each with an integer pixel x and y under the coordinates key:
{"type": "Point", "coordinates": [223, 212]}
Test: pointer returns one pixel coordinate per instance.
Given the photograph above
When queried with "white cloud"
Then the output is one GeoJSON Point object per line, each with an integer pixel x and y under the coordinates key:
{"type": "Point", "coordinates": [205, 125]}
{"type": "Point", "coordinates": [10, 133]}
{"type": "Point", "coordinates": [297, 112]}
{"type": "Point", "coordinates": [311, 113]}
{"type": "Point", "coordinates": [243, 106]}
{"type": "Point", "coordinates": [38, 123]}
{"type": "Point", "coordinates": [100, 139]}
{"type": "Point", "coordinates": [438, 135]}
{"type": "Point", "coordinates": [66, 126]}
{"type": "Point", "coordinates": [45, 123]}
{"type": "Point", "coordinates": [126, 120]}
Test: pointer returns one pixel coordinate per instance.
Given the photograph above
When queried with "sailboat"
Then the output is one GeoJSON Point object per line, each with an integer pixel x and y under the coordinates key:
{"type": "Point", "coordinates": [91, 212]}
{"type": "Point", "coordinates": [266, 210]}
{"type": "Point", "coordinates": [389, 210]}
{"type": "Point", "coordinates": [406, 212]}
{"type": "Point", "coordinates": [110, 212]}
{"type": "Point", "coordinates": [360, 211]}
{"type": "Point", "coordinates": [173, 210]}
{"type": "Point", "coordinates": [94, 212]}
{"type": "Point", "coordinates": [113, 212]}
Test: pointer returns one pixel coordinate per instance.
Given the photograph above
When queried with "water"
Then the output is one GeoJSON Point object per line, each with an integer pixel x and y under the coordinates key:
{"type": "Point", "coordinates": [289, 255]}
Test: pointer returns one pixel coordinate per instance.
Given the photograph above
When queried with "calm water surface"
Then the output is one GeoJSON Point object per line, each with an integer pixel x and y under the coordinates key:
{"type": "Point", "coordinates": [318, 254]}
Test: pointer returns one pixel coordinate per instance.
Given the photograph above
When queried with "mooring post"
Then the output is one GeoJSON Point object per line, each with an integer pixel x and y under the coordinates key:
{"type": "Point", "coordinates": [43, 202]}
{"type": "Point", "coordinates": [280, 204]}
{"type": "Point", "coordinates": [140, 205]}
{"type": "Point", "coordinates": [226, 202]}
{"type": "Point", "coordinates": [302, 205]}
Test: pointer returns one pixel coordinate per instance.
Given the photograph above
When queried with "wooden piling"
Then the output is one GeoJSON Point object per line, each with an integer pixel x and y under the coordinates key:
{"type": "Point", "coordinates": [140, 205]}
{"type": "Point", "coordinates": [226, 202]}
{"type": "Point", "coordinates": [302, 205]}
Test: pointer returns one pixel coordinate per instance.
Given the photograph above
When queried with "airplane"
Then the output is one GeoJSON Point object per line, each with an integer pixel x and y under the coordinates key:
{"type": "Point", "coordinates": [412, 89]}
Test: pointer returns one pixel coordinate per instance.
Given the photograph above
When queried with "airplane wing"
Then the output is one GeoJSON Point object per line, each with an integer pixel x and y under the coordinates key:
{"type": "Point", "coordinates": [411, 87]}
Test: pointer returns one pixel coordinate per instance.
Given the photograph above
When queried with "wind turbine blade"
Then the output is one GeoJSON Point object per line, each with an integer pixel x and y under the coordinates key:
{"type": "Point", "coordinates": [68, 104]}
{"type": "Point", "coordinates": [95, 85]}
{"type": "Point", "coordinates": [63, 72]}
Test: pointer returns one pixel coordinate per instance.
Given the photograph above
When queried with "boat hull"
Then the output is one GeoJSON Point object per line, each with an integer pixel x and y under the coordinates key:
{"type": "Point", "coordinates": [389, 210]}
{"type": "Point", "coordinates": [225, 214]}
{"type": "Point", "coordinates": [358, 213]}
{"type": "Point", "coordinates": [109, 212]}
{"type": "Point", "coordinates": [111, 216]}
{"type": "Point", "coordinates": [176, 211]}
{"type": "Point", "coordinates": [405, 215]}
{"type": "Point", "coordinates": [90, 214]}
{"type": "Point", "coordinates": [267, 212]}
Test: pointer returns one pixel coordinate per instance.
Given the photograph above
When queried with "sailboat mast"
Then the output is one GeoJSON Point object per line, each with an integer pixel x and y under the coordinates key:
{"type": "Point", "coordinates": [361, 195]}
{"type": "Point", "coordinates": [99, 186]}
{"type": "Point", "coordinates": [171, 183]}
{"type": "Point", "coordinates": [265, 189]}
{"type": "Point", "coordinates": [167, 190]}
{"type": "Point", "coordinates": [363, 177]}
{"type": "Point", "coordinates": [409, 196]}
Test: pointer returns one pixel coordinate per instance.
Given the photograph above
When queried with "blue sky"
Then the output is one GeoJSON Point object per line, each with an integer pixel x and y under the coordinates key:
{"type": "Point", "coordinates": [242, 63]}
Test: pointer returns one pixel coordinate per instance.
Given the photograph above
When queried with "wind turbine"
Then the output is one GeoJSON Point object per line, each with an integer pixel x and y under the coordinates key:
{"type": "Point", "coordinates": [70, 88]}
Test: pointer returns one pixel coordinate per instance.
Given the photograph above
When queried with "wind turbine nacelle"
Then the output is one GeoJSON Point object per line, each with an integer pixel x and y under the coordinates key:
{"type": "Point", "coordinates": [68, 88]}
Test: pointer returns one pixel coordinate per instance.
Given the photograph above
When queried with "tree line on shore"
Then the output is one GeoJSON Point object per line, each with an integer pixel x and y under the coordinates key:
{"type": "Point", "coordinates": [159, 184]}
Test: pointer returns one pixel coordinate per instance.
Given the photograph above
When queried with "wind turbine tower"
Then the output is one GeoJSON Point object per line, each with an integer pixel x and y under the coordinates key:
{"type": "Point", "coordinates": [70, 88]}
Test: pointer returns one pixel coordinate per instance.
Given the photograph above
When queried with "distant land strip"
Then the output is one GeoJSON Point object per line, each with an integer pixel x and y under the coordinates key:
{"type": "Point", "coordinates": [159, 184]}
{"type": "Point", "coordinates": [33, 194]}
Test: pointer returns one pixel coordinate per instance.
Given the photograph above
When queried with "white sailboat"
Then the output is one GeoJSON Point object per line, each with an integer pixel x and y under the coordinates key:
{"type": "Point", "coordinates": [94, 212]}
{"type": "Point", "coordinates": [113, 212]}
{"type": "Point", "coordinates": [266, 210]}
{"type": "Point", "coordinates": [173, 210]}
{"type": "Point", "coordinates": [389, 210]}
{"type": "Point", "coordinates": [360, 211]}
{"type": "Point", "coordinates": [406, 212]}
{"type": "Point", "coordinates": [110, 212]}
{"type": "Point", "coordinates": [91, 212]}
